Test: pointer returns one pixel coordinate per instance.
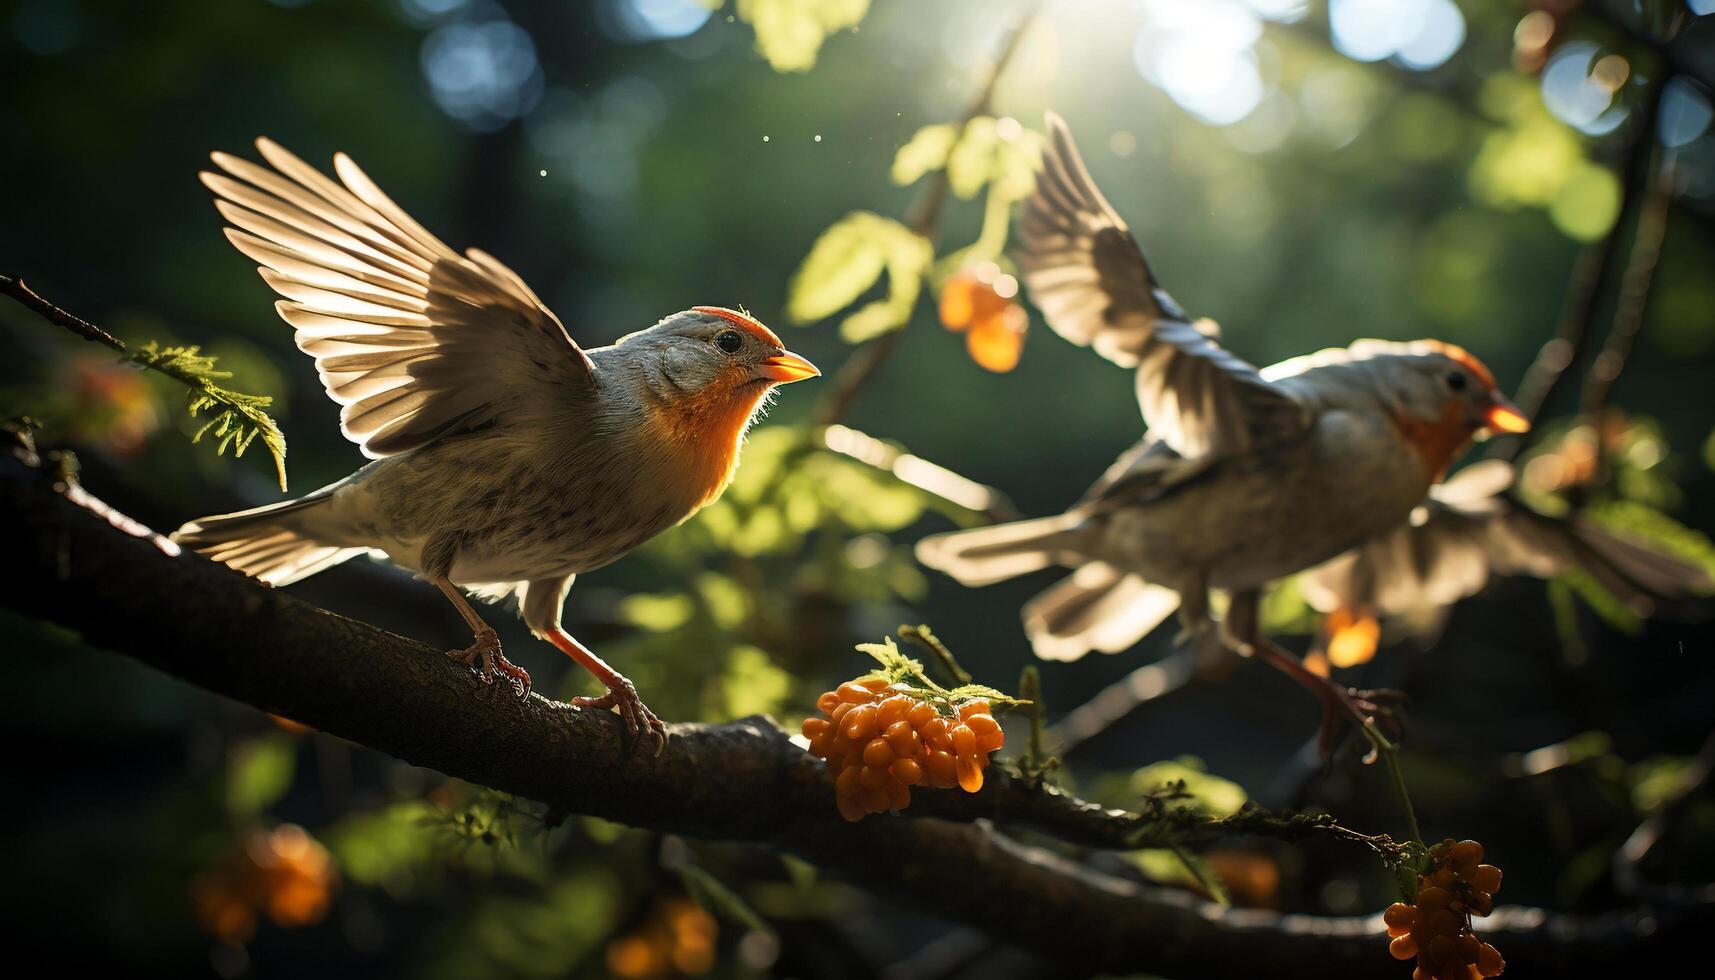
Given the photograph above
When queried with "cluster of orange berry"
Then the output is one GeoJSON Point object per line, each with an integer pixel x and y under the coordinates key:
{"type": "Point", "coordinates": [284, 873]}
{"type": "Point", "coordinates": [677, 939]}
{"type": "Point", "coordinates": [881, 739]}
{"type": "Point", "coordinates": [980, 301]}
{"type": "Point", "coordinates": [1436, 927]}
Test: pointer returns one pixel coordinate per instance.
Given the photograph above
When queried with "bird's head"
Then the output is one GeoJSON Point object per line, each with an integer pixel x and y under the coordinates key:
{"type": "Point", "coordinates": [1441, 397]}
{"type": "Point", "coordinates": [713, 353]}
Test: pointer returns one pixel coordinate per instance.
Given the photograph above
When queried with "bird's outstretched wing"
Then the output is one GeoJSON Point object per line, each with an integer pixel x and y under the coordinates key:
{"type": "Point", "coordinates": [1468, 530]}
{"type": "Point", "coordinates": [413, 340]}
{"type": "Point", "coordinates": [1094, 287]}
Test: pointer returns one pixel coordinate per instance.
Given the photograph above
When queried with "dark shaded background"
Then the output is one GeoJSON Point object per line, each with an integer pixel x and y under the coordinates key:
{"type": "Point", "coordinates": [626, 176]}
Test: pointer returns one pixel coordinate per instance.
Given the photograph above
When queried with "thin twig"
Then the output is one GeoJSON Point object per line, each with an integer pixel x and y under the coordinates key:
{"type": "Point", "coordinates": [1634, 290]}
{"type": "Point", "coordinates": [857, 372]}
{"type": "Point", "coordinates": [923, 637]}
{"type": "Point", "coordinates": [14, 287]}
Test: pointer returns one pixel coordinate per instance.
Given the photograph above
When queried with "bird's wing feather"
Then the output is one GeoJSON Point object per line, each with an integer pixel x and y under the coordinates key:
{"type": "Point", "coordinates": [1468, 530]}
{"type": "Point", "coordinates": [412, 339]}
{"type": "Point", "coordinates": [1094, 286]}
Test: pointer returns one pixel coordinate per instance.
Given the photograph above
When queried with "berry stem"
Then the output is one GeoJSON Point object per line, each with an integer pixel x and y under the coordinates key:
{"type": "Point", "coordinates": [1389, 754]}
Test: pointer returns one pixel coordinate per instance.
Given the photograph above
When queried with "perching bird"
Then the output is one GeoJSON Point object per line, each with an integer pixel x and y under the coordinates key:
{"type": "Point", "coordinates": [1244, 476]}
{"type": "Point", "coordinates": [507, 459]}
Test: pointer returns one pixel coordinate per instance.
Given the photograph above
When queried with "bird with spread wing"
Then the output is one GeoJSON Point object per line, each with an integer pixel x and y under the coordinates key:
{"type": "Point", "coordinates": [1246, 476]}
{"type": "Point", "coordinates": [507, 459]}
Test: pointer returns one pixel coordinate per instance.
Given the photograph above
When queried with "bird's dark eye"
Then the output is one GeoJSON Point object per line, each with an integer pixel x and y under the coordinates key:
{"type": "Point", "coordinates": [1457, 381]}
{"type": "Point", "coordinates": [729, 341]}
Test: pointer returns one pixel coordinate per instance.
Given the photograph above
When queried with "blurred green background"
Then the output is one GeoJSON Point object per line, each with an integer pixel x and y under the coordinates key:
{"type": "Point", "coordinates": [1302, 172]}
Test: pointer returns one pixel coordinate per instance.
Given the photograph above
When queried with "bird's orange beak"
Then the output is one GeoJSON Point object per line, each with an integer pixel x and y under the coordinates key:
{"type": "Point", "coordinates": [1504, 416]}
{"type": "Point", "coordinates": [787, 367]}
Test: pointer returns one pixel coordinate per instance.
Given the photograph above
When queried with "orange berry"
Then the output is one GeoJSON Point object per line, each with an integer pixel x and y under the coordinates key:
{"type": "Point", "coordinates": [920, 714]}
{"type": "Point", "coordinates": [903, 740]}
{"type": "Point", "coordinates": [975, 707]}
{"type": "Point", "coordinates": [1486, 878]}
{"type": "Point", "coordinates": [992, 742]}
{"type": "Point", "coordinates": [907, 771]}
{"type": "Point", "coordinates": [1441, 950]}
{"type": "Point", "coordinates": [1433, 897]}
{"type": "Point", "coordinates": [935, 733]}
{"type": "Point", "coordinates": [860, 721]}
{"type": "Point", "coordinates": [827, 702]}
{"type": "Point", "coordinates": [982, 723]}
{"type": "Point", "coordinates": [1442, 878]}
{"type": "Point", "coordinates": [1399, 914]}
{"type": "Point", "coordinates": [898, 795]}
{"type": "Point", "coordinates": [837, 717]}
{"type": "Point", "coordinates": [1481, 904]}
{"type": "Point", "coordinates": [891, 710]}
{"type": "Point", "coordinates": [848, 784]}
{"type": "Point", "coordinates": [996, 342]}
{"type": "Point", "coordinates": [943, 770]}
{"type": "Point", "coordinates": [1466, 852]}
{"type": "Point", "coordinates": [850, 808]}
{"type": "Point", "coordinates": [813, 727]}
{"type": "Point", "coordinates": [874, 685]}
{"type": "Point", "coordinates": [877, 754]}
{"type": "Point", "coordinates": [1403, 948]}
{"type": "Point", "coordinates": [819, 745]}
{"type": "Point", "coordinates": [958, 301]}
{"type": "Point", "coordinates": [855, 693]}
{"type": "Point", "coordinates": [1468, 945]}
{"type": "Point", "coordinates": [871, 777]}
{"type": "Point", "coordinates": [964, 740]}
{"type": "Point", "coordinates": [1489, 961]}
{"type": "Point", "coordinates": [970, 775]}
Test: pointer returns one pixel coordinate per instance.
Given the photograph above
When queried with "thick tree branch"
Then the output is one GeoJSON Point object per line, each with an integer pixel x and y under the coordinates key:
{"type": "Point", "coordinates": [72, 562]}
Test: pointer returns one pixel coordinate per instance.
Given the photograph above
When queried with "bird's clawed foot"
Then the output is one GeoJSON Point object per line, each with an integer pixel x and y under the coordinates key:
{"type": "Point", "coordinates": [637, 716]}
{"type": "Point", "coordinates": [1370, 710]}
{"type": "Point", "coordinates": [485, 658]}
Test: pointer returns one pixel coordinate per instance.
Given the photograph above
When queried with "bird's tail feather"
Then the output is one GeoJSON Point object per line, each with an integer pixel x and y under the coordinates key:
{"type": "Point", "coordinates": [268, 543]}
{"type": "Point", "coordinates": [986, 555]}
{"type": "Point", "coordinates": [1095, 608]}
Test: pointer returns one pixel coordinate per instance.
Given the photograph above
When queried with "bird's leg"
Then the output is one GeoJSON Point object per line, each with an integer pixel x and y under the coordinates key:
{"type": "Point", "coordinates": [484, 655]}
{"type": "Point", "coordinates": [1339, 703]}
{"type": "Point", "coordinates": [1369, 710]}
{"type": "Point", "coordinates": [621, 694]}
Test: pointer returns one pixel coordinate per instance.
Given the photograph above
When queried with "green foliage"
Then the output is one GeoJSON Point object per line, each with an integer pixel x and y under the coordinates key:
{"type": "Point", "coordinates": [258, 774]}
{"type": "Point", "coordinates": [1184, 784]}
{"type": "Point", "coordinates": [790, 33]}
{"type": "Point", "coordinates": [237, 419]}
{"type": "Point", "coordinates": [846, 260]}
{"type": "Point", "coordinates": [925, 152]}
{"type": "Point", "coordinates": [1532, 159]}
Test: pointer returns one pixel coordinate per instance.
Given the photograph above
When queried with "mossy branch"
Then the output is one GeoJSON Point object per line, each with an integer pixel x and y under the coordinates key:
{"type": "Point", "coordinates": [235, 419]}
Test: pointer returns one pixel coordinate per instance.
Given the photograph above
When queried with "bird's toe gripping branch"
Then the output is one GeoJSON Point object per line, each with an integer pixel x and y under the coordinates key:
{"type": "Point", "coordinates": [485, 658]}
{"type": "Point", "coordinates": [621, 693]}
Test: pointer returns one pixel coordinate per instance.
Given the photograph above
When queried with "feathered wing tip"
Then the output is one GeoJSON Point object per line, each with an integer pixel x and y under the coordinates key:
{"type": "Point", "coordinates": [1095, 608]}
{"type": "Point", "coordinates": [1639, 575]}
{"type": "Point", "coordinates": [987, 555]}
{"type": "Point", "coordinates": [262, 544]}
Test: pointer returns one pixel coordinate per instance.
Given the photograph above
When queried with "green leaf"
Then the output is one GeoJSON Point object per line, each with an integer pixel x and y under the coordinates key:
{"type": "Point", "coordinates": [907, 256]}
{"type": "Point", "coordinates": [926, 151]}
{"type": "Point", "coordinates": [970, 164]}
{"type": "Point", "coordinates": [258, 774]}
{"type": "Point", "coordinates": [717, 899]}
{"type": "Point", "coordinates": [845, 260]}
{"type": "Point", "coordinates": [789, 33]}
{"type": "Point", "coordinates": [238, 419]}
{"type": "Point", "coordinates": [1194, 788]}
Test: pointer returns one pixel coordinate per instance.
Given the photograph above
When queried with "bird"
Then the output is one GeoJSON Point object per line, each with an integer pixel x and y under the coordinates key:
{"type": "Point", "coordinates": [505, 459]}
{"type": "Point", "coordinates": [1244, 475]}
